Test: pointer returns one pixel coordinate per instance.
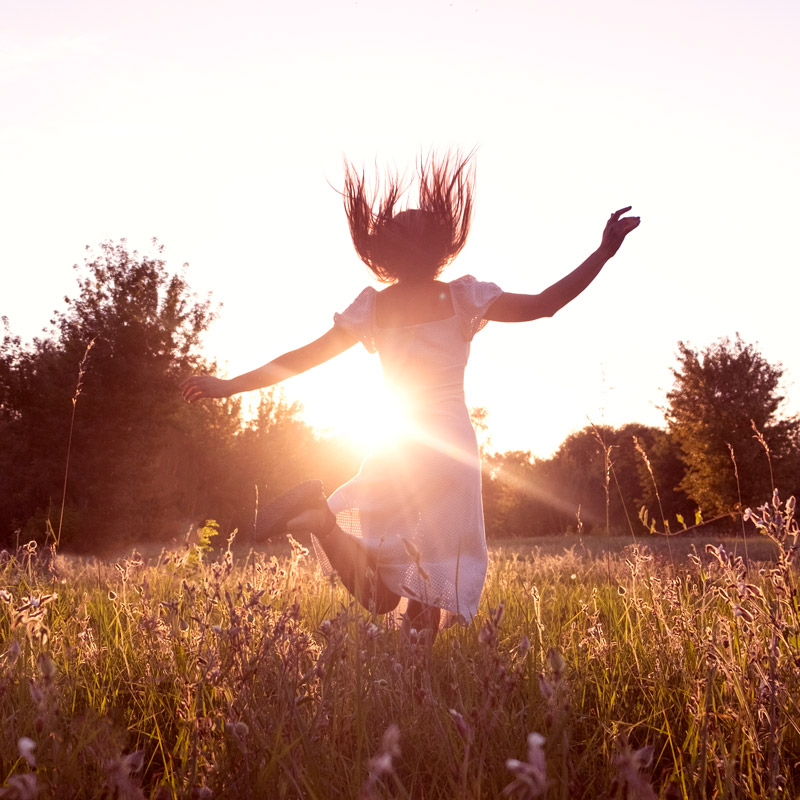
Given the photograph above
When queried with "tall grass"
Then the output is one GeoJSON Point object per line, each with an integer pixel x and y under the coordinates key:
{"type": "Point", "coordinates": [634, 676]}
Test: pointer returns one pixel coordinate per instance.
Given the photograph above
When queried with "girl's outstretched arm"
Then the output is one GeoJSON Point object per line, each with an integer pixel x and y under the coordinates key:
{"type": "Point", "coordinates": [331, 344]}
{"type": "Point", "coordinates": [510, 307]}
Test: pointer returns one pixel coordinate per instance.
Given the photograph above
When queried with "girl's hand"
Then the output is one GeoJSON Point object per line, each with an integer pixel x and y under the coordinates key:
{"type": "Point", "coordinates": [617, 228]}
{"type": "Point", "coordinates": [200, 387]}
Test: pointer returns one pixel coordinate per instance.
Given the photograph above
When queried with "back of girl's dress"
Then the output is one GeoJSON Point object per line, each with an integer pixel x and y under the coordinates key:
{"type": "Point", "coordinates": [416, 502]}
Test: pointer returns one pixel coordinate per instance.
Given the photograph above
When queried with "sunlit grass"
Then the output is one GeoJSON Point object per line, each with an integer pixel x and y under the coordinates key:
{"type": "Point", "coordinates": [644, 675]}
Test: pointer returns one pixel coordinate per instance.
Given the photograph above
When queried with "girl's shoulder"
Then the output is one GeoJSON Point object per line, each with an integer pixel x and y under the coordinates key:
{"type": "Point", "coordinates": [359, 318]}
{"type": "Point", "coordinates": [471, 300]}
{"type": "Point", "coordinates": [469, 283]}
{"type": "Point", "coordinates": [468, 292]}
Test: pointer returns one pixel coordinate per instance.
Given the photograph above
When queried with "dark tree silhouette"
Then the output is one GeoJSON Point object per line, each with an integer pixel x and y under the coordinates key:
{"type": "Point", "coordinates": [720, 393]}
{"type": "Point", "coordinates": [131, 430]}
{"type": "Point", "coordinates": [595, 479]}
{"type": "Point", "coordinates": [143, 464]}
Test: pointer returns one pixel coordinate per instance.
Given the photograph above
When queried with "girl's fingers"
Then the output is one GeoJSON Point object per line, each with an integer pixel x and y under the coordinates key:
{"type": "Point", "coordinates": [617, 214]}
{"type": "Point", "coordinates": [192, 389]}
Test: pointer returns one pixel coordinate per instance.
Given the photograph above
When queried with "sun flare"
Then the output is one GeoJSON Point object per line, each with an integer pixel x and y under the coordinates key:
{"type": "Point", "coordinates": [370, 419]}
{"type": "Point", "coordinates": [364, 412]}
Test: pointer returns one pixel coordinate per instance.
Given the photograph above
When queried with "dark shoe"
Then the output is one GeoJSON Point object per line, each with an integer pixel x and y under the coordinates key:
{"type": "Point", "coordinates": [272, 518]}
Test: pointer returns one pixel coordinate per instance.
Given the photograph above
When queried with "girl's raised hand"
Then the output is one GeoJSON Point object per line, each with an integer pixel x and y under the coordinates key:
{"type": "Point", "coordinates": [200, 387]}
{"type": "Point", "coordinates": [617, 228]}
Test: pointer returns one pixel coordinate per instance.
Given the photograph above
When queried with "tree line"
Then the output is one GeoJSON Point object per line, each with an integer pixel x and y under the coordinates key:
{"type": "Point", "coordinates": [98, 450]}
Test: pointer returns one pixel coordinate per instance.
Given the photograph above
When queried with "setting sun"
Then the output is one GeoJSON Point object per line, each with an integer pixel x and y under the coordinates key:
{"type": "Point", "coordinates": [343, 398]}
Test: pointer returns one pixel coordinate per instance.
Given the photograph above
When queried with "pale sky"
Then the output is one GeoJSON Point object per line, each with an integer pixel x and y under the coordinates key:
{"type": "Point", "coordinates": [217, 128]}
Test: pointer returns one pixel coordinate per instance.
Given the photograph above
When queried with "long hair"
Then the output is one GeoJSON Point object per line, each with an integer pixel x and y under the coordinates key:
{"type": "Point", "coordinates": [414, 243]}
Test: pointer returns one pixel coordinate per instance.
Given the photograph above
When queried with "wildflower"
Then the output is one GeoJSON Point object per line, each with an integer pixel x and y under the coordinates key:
{"type": "Point", "coordinates": [237, 729]}
{"type": "Point", "coordinates": [630, 764]}
{"type": "Point", "coordinates": [133, 762]}
{"type": "Point", "coordinates": [530, 777]}
{"type": "Point", "coordinates": [26, 746]}
{"type": "Point", "coordinates": [740, 611]}
{"type": "Point", "coordinates": [498, 613]}
{"type": "Point", "coordinates": [37, 695]}
{"type": "Point", "coordinates": [556, 662]}
{"type": "Point", "coordinates": [382, 764]}
{"type": "Point", "coordinates": [46, 667]}
{"type": "Point", "coordinates": [298, 550]}
{"type": "Point", "coordinates": [120, 772]}
{"type": "Point", "coordinates": [20, 787]}
{"type": "Point", "coordinates": [461, 726]}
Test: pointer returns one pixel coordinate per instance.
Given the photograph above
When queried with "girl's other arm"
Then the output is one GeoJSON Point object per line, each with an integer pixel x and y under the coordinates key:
{"type": "Point", "coordinates": [331, 344]}
{"type": "Point", "coordinates": [510, 307]}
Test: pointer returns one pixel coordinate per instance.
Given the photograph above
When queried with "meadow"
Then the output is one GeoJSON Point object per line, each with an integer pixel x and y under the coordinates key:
{"type": "Point", "coordinates": [597, 667]}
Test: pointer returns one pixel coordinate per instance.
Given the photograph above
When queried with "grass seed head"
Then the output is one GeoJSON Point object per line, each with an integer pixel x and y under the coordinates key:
{"type": "Point", "coordinates": [530, 777]}
{"type": "Point", "coordinates": [26, 746]}
{"type": "Point", "coordinates": [20, 787]}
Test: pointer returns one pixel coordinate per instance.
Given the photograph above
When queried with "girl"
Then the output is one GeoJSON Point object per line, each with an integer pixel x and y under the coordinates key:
{"type": "Point", "coordinates": [410, 524]}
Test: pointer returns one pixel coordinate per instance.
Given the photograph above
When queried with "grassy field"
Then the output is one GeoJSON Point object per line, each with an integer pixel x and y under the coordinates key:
{"type": "Point", "coordinates": [596, 668]}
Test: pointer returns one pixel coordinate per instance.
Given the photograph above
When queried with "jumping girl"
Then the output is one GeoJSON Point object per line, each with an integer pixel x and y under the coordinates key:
{"type": "Point", "coordinates": [410, 524]}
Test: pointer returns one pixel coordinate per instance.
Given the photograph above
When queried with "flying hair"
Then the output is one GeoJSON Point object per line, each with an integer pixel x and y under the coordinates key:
{"type": "Point", "coordinates": [411, 243]}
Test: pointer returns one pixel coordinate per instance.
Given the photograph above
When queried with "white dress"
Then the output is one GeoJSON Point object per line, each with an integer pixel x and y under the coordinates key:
{"type": "Point", "coordinates": [416, 501]}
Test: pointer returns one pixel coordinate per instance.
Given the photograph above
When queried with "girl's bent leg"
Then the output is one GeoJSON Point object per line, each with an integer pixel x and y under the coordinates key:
{"type": "Point", "coordinates": [422, 618]}
{"type": "Point", "coordinates": [357, 571]}
{"type": "Point", "coordinates": [351, 560]}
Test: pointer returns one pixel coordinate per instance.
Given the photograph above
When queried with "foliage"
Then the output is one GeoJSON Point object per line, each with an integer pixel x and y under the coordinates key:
{"type": "Point", "coordinates": [113, 356]}
{"type": "Point", "coordinates": [725, 396]}
{"type": "Point", "coordinates": [91, 418]}
{"type": "Point", "coordinates": [186, 679]}
{"type": "Point", "coordinates": [98, 449]}
{"type": "Point", "coordinates": [596, 481]}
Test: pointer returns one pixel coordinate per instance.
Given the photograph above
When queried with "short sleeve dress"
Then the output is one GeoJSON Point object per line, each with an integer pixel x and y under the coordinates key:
{"type": "Point", "coordinates": [416, 501]}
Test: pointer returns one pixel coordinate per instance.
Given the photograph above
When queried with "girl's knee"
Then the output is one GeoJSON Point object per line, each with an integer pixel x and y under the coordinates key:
{"type": "Point", "coordinates": [421, 615]}
{"type": "Point", "coordinates": [384, 599]}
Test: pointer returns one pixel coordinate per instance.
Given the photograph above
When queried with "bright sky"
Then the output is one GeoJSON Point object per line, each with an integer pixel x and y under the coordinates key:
{"type": "Point", "coordinates": [216, 128]}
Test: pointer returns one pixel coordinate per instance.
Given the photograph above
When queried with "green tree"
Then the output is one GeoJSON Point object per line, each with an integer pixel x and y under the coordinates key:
{"type": "Point", "coordinates": [143, 464]}
{"type": "Point", "coordinates": [599, 470]}
{"type": "Point", "coordinates": [720, 393]}
{"type": "Point", "coordinates": [512, 503]}
{"type": "Point", "coordinates": [127, 453]}
{"type": "Point", "coordinates": [596, 477]}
